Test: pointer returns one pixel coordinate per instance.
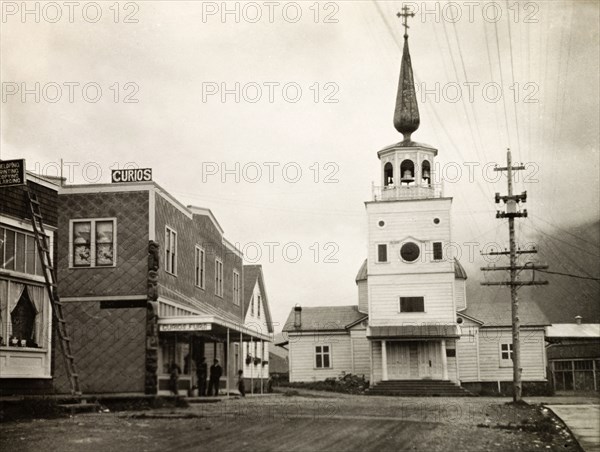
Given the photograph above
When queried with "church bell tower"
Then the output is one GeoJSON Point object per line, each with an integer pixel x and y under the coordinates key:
{"type": "Point", "coordinates": [410, 270]}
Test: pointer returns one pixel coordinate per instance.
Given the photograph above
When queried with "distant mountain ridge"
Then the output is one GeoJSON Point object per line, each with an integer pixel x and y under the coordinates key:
{"type": "Point", "coordinates": [575, 250]}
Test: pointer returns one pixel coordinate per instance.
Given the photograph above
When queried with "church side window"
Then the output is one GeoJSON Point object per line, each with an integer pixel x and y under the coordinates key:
{"type": "Point", "coordinates": [322, 357]}
{"type": "Point", "coordinates": [412, 304]}
{"type": "Point", "coordinates": [506, 354]}
{"type": "Point", "coordinates": [382, 252]}
{"type": "Point", "coordinates": [438, 253]}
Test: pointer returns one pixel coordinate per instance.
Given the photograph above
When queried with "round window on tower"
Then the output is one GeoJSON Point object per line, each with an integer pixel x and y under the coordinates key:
{"type": "Point", "coordinates": [410, 252]}
{"type": "Point", "coordinates": [381, 223]}
{"type": "Point", "coordinates": [436, 221]}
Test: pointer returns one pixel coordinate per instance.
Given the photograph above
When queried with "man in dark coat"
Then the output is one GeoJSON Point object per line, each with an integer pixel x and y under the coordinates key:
{"type": "Point", "coordinates": [215, 376]}
{"type": "Point", "coordinates": [202, 373]}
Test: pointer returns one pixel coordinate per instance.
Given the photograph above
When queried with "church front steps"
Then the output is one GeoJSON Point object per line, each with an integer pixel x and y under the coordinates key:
{"type": "Point", "coordinates": [418, 388]}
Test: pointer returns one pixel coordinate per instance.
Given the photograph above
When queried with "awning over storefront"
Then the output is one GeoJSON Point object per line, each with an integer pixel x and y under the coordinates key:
{"type": "Point", "coordinates": [413, 332]}
{"type": "Point", "coordinates": [211, 325]}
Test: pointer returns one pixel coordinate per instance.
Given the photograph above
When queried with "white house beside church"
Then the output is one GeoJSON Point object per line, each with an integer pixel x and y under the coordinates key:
{"type": "Point", "coordinates": [257, 317]}
{"type": "Point", "coordinates": [412, 327]}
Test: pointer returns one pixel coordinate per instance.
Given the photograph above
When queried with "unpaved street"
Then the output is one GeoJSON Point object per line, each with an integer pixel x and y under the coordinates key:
{"type": "Point", "coordinates": [300, 423]}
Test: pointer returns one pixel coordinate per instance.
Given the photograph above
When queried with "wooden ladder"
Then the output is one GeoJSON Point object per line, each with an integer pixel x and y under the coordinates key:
{"type": "Point", "coordinates": [50, 277]}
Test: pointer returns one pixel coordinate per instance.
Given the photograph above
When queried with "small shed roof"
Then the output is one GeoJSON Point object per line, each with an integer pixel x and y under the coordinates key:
{"type": "Point", "coordinates": [574, 330]}
{"type": "Point", "coordinates": [325, 318]}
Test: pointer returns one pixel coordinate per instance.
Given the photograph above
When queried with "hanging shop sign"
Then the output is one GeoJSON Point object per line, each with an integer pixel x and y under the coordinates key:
{"type": "Point", "coordinates": [185, 327]}
{"type": "Point", "coordinates": [12, 172]}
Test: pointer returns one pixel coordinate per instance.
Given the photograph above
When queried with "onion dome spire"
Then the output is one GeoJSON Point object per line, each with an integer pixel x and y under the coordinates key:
{"type": "Point", "coordinates": [406, 113]}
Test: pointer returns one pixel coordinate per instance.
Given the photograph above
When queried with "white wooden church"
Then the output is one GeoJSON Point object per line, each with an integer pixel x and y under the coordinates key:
{"type": "Point", "coordinates": [412, 330]}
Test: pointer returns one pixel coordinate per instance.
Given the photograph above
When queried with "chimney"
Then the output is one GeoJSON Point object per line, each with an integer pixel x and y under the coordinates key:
{"type": "Point", "coordinates": [578, 319]}
{"type": "Point", "coordinates": [297, 316]}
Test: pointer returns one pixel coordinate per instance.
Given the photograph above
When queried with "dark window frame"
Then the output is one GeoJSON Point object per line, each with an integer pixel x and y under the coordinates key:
{"type": "Point", "coordinates": [411, 304]}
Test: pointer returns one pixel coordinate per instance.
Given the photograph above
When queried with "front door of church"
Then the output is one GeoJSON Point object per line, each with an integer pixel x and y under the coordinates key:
{"type": "Point", "coordinates": [414, 360]}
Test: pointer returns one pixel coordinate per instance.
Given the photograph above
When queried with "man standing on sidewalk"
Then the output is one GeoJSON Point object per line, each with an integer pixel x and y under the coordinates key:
{"type": "Point", "coordinates": [215, 376]}
{"type": "Point", "coordinates": [201, 373]}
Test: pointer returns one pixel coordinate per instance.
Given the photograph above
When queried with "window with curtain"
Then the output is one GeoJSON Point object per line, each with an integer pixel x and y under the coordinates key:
{"type": "Point", "coordinates": [93, 243]}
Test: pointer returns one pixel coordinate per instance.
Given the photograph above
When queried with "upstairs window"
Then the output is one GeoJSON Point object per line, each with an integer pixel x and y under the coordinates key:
{"type": "Point", "coordinates": [322, 357]}
{"type": "Point", "coordinates": [252, 305]}
{"type": "Point", "coordinates": [412, 304]}
{"type": "Point", "coordinates": [438, 253]}
{"type": "Point", "coordinates": [93, 243]}
{"type": "Point", "coordinates": [382, 252]}
{"type": "Point", "coordinates": [236, 288]}
{"type": "Point", "coordinates": [18, 252]}
{"type": "Point", "coordinates": [258, 306]}
{"type": "Point", "coordinates": [199, 260]}
{"type": "Point", "coordinates": [218, 278]}
{"type": "Point", "coordinates": [170, 251]}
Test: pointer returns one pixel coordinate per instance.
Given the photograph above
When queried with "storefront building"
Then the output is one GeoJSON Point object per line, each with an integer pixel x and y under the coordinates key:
{"type": "Point", "coordinates": [25, 312]}
{"type": "Point", "coordinates": [147, 284]}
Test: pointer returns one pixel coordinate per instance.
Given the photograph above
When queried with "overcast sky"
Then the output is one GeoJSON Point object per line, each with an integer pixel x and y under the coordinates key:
{"type": "Point", "coordinates": [316, 85]}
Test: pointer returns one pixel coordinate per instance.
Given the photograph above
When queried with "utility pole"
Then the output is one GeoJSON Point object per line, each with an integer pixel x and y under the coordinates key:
{"type": "Point", "coordinates": [511, 201]}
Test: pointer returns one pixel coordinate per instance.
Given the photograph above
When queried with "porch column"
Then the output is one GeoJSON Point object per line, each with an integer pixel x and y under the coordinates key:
{"type": "Point", "coordinates": [384, 373]}
{"type": "Point", "coordinates": [262, 350]}
{"type": "Point", "coordinates": [251, 344]}
{"type": "Point", "coordinates": [228, 364]}
{"type": "Point", "coordinates": [241, 363]}
{"type": "Point", "coordinates": [444, 360]}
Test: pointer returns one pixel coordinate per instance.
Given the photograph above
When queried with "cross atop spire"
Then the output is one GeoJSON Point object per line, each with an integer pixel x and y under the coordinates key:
{"type": "Point", "coordinates": [406, 113]}
{"type": "Point", "coordinates": [405, 15]}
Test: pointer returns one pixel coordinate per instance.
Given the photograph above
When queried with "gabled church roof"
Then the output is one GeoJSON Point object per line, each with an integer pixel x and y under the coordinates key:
{"type": "Point", "coordinates": [497, 312]}
{"type": "Point", "coordinates": [325, 318]}
{"type": "Point", "coordinates": [253, 273]}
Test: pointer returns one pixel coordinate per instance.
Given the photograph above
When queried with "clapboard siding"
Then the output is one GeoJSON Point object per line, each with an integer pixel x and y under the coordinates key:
{"type": "Point", "coordinates": [363, 296]}
{"type": "Point", "coordinates": [532, 354]}
{"type": "Point", "coordinates": [377, 371]}
{"type": "Point", "coordinates": [460, 295]}
{"type": "Point", "coordinates": [256, 321]}
{"type": "Point", "coordinates": [360, 348]}
{"type": "Point", "coordinates": [302, 350]}
{"type": "Point", "coordinates": [384, 293]}
{"type": "Point", "coordinates": [452, 369]}
{"type": "Point", "coordinates": [466, 352]}
{"type": "Point", "coordinates": [409, 221]}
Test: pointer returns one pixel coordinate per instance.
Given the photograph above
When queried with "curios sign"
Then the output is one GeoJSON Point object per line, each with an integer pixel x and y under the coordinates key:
{"type": "Point", "coordinates": [131, 175]}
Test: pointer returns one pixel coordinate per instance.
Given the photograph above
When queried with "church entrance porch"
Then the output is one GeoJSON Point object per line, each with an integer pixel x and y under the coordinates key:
{"type": "Point", "coordinates": [413, 352]}
{"type": "Point", "coordinates": [414, 360]}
